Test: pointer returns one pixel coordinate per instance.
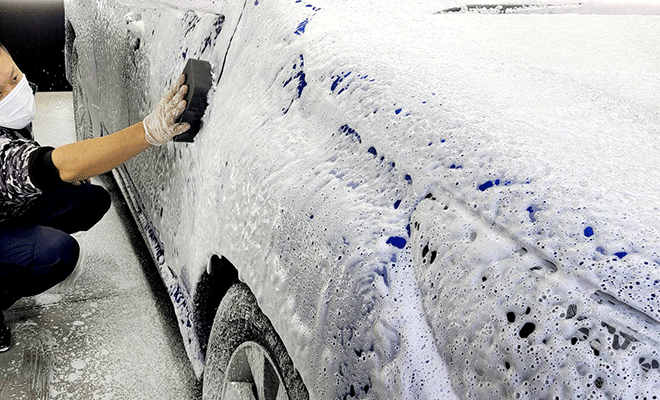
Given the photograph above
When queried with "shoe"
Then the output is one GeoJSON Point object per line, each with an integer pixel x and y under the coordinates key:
{"type": "Point", "coordinates": [5, 337]}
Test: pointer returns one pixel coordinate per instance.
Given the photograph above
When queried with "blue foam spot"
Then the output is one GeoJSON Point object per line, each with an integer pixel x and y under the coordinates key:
{"type": "Point", "coordinates": [301, 27]}
{"type": "Point", "coordinates": [588, 231]}
{"type": "Point", "coordinates": [621, 254]}
{"type": "Point", "coordinates": [350, 132]}
{"type": "Point", "coordinates": [301, 83]}
{"type": "Point", "coordinates": [207, 43]}
{"type": "Point", "coordinates": [497, 181]}
{"type": "Point", "coordinates": [397, 241]}
{"type": "Point", "coordinates": [311, 217]}
{"type": "Point", "coordinates": [397, 111]}
{"type": "Point", "coordinates": [335, 83]}
{"type": "Point", "coordinates": [397, 204]}
{"type": "Point", "coordinates": [383, 273]}
{"type": "Point", "coordinates": [408, 229]}
{"type": "Point", "coordinates": [530, 210]}
{"type": "Point", "coordinates": [372, 150]}
{"type": "Point", "coordinates": [442, 141]}
{"type": "Point", "coordinates": [408, 178]}
{"type": "Point", "coordinates": [485, 186]}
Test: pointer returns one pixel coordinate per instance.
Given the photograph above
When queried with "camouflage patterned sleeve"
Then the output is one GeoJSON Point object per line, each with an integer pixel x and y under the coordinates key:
{"type": "Point", "coordinates": [17, 191]}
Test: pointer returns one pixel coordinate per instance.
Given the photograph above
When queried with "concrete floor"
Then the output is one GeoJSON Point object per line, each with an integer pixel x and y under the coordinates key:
{"type": "Point", "coordinates": [113, 335]}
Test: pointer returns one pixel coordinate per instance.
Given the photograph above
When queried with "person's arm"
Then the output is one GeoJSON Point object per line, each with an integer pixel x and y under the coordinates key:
{"type": "Point", "coordinates": [85, 159]}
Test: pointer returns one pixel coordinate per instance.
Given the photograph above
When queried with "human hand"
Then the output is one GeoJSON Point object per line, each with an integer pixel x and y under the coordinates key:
{"type": "Point", "coordinates": [160, 126]}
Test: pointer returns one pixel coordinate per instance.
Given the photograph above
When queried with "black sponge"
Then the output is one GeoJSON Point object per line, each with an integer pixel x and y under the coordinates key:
{"type": "Point", "coordinates": [199, 80]}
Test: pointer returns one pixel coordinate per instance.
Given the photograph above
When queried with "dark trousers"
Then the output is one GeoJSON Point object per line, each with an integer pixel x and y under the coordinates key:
{"type": "Point", "coordinates": [36, 249]}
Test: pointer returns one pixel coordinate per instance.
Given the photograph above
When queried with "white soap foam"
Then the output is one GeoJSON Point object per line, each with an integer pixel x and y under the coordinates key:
{"type": "Point", "coordinates": [333, 120]}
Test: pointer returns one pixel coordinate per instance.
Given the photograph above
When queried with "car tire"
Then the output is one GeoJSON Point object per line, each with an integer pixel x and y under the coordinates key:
{"type": "Point", "coordinates": [245, 358]}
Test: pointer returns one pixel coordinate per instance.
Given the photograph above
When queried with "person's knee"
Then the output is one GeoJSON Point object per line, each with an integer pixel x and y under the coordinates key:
{"type": "Point", "coordinates": [50, 256]}
{"type": "Point", "coordinates": [55, 259]}
{"type": "Point", "coordinates": [104, 200]}
{"type": "Point", "coordinates": [69, 252]}
{"type": "Point", "coordinates": [61, 255]}
{"type": "Point", "coordinates": [99, 202]}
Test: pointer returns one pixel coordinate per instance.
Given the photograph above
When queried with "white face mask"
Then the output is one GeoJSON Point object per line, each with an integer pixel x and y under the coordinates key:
{"type": "Point", "coordinates": [17, 109]}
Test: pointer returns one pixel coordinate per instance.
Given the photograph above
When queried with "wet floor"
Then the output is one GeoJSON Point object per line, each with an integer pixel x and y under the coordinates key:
{"type": "Point", "coordinates": [113, 334]}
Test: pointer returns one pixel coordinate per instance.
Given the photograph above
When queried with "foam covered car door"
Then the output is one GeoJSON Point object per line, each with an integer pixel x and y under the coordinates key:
{"type": "Point", "coordinates": [558, 334]}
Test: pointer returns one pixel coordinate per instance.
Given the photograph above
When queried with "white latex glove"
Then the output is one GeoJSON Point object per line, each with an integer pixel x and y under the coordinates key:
{"type": "Point", "coordinates": [159, 126]}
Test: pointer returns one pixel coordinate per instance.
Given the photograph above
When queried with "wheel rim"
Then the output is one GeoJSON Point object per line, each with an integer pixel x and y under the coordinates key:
{"type": "Point", "coordinates": [251, 375]}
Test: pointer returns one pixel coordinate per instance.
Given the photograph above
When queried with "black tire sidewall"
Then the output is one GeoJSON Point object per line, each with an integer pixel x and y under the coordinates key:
{"type": "Point", "coordinates": [239, 320]}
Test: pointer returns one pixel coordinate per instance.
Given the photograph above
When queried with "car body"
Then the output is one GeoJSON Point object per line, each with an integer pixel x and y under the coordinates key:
{"type": "Point", "coordinates": [427, 200]}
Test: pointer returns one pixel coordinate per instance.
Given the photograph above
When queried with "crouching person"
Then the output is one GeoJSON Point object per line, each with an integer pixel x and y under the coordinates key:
{"type": "Point", "coordinates": [44, 192]}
